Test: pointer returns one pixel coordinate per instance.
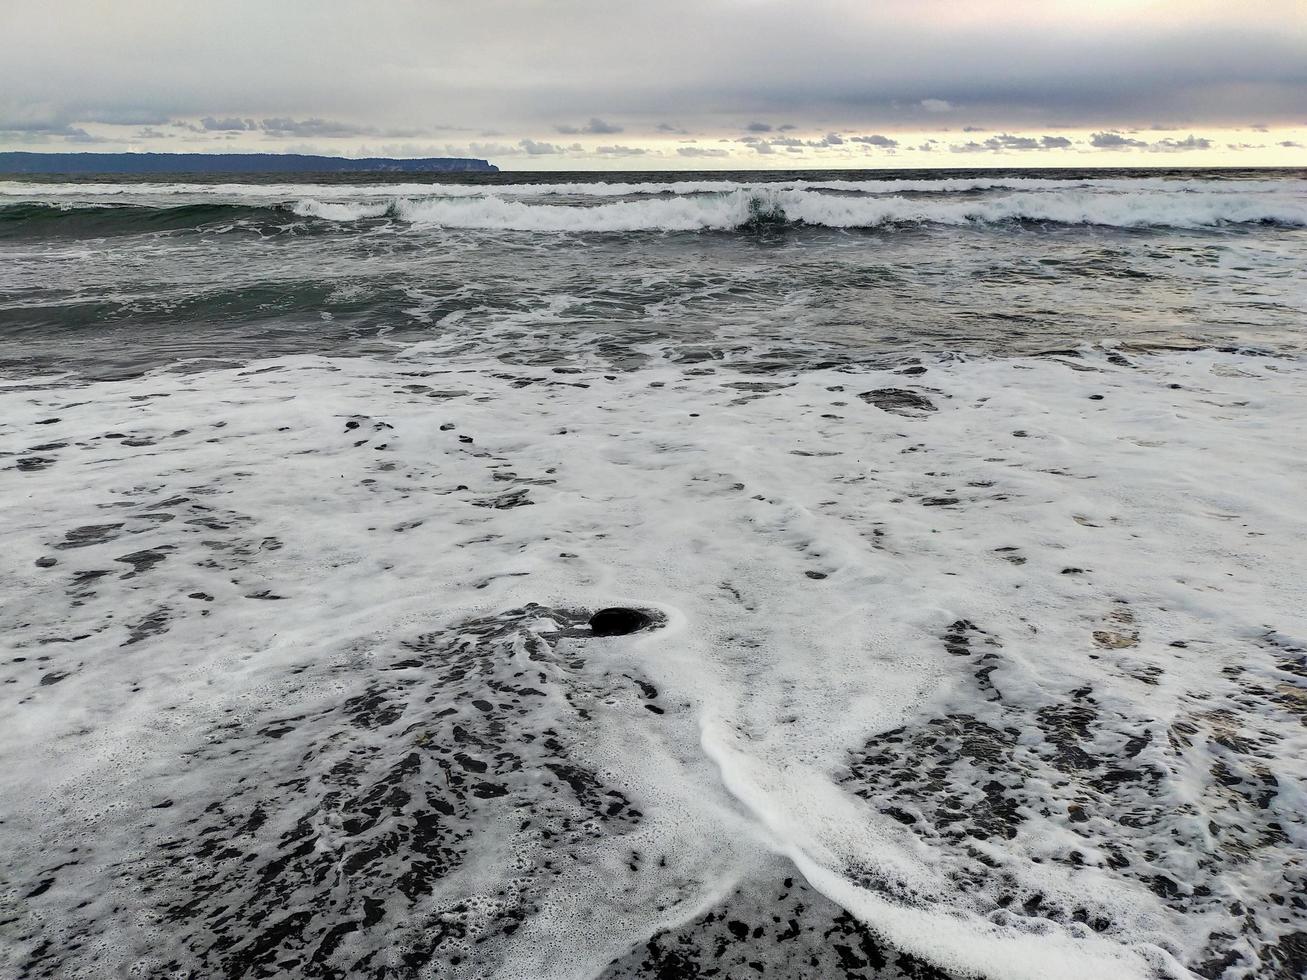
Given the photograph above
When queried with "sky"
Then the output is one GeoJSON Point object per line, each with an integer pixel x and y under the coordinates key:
{"type": "Point", "coordinates": [666, 84]}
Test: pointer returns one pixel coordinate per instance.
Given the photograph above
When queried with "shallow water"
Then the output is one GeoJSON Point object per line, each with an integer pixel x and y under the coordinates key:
{"type": "Point", "coordinates": [979, 644]}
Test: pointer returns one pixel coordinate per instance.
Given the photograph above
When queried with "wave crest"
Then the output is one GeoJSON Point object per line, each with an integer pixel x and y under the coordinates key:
{"type": "Point", "coordinates": [743, 209]}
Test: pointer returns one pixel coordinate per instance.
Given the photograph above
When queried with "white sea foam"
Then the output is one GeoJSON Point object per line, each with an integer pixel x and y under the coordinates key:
{"type": "Point", "coordinates": [339, 210]}
{"type": "Point", "coordinates": [723, 212]}
{"type": "Point", "coordinates": [844, 586]}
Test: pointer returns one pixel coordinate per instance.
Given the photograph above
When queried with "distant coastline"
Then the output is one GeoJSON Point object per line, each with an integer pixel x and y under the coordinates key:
{"type": "Point", "coordinates": [228, 163]}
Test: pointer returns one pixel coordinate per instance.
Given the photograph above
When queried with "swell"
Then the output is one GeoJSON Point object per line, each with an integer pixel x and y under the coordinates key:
{"type": "Point", "coordinates": [28, 220]}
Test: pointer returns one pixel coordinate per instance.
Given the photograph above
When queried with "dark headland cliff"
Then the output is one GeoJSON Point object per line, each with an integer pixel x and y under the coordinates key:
{"type": "Point", "coordinates": [228, 163]}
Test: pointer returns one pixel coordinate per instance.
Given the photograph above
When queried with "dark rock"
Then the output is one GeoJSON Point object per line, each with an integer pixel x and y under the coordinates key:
{"type": "Point", "coordinates": [142, 561]}
{"type": "Point", "coordinates": [618, 621]}
{"type": "Point", "coordinates": [81, 537]}
{"type": "Point", "coordinates": [757, 385]}
{"type": "Point", "coordinates": [46, 562]}
{"type": "Point", "coordinates": [1095, 398]}
{"type": "Point", "coordinates": [900, 401]}
{"type": "Point", "coordinates": [506, 501]}
{"type": "Point", "coordinates": [447, 426]}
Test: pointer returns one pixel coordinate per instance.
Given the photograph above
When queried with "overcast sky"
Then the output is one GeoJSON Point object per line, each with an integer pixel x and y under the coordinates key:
{"type": "Point", "coordinates": [536, 84]}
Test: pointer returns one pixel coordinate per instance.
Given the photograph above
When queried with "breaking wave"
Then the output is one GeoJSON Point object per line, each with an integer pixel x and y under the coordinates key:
{"type": "Point", "coordinates": [699, 206]}
{"type": "Point", "coordinates": [743, 209]}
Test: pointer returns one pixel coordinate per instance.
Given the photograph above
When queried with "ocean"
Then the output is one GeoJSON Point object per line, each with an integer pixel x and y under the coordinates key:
{"type": "Point", "coordinates": [964, 512]}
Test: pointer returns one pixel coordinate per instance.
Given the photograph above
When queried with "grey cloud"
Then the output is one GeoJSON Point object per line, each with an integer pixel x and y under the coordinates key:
{"type": "Point", "coordinates": [125, 116]}
{"type": "Point", "coordinates": [669, 128]}
{"type": "Point", "coordinates": [1008, 141]}
{"type": "Point", "coordinates": [34, 126]}
{"type": "Point", "coordinates": [285, 126]}
{"type": "Point", "coordinates": [830, 139]}
{"type": "Point", "coordinates": [875, 139]}
{"type": "Point", "coordinates": [758, 127]}
{"type": "Point", "coordinates": [483, 150]}
{"type": "Point", "coordinates": [29, 131]}
{"type": "Point", "coordinates": [539, 149]}
{"type": "Point", "coordinates": [595, 127]}
{"type": "Point", "coordinates": [1117, 141]}
{"type": "Point", "coordinates": [791, 144]}
{"type": "Point", "coordinates": [1190, 143]}
{"type": "Point", "coordinates": [827, 65]}
{"type": "Point", "coordinates": [231, 124]}
{"type": "Point", "coordinates": [700, 151]}
{"type": "Point", "coordinates": [1290, 143]}
{"type": "Point", "coordinates": [629, 151]}
{"type": "Point", "coordinates": [1113, 141]}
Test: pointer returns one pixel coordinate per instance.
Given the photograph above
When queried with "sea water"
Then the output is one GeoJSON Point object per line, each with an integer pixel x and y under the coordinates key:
{"type": "Point", "coordinates": [967, 510]}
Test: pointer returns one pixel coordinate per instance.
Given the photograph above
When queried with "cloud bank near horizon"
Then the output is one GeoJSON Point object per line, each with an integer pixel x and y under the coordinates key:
{"type": "Point", "coordinates": [677, 82]}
